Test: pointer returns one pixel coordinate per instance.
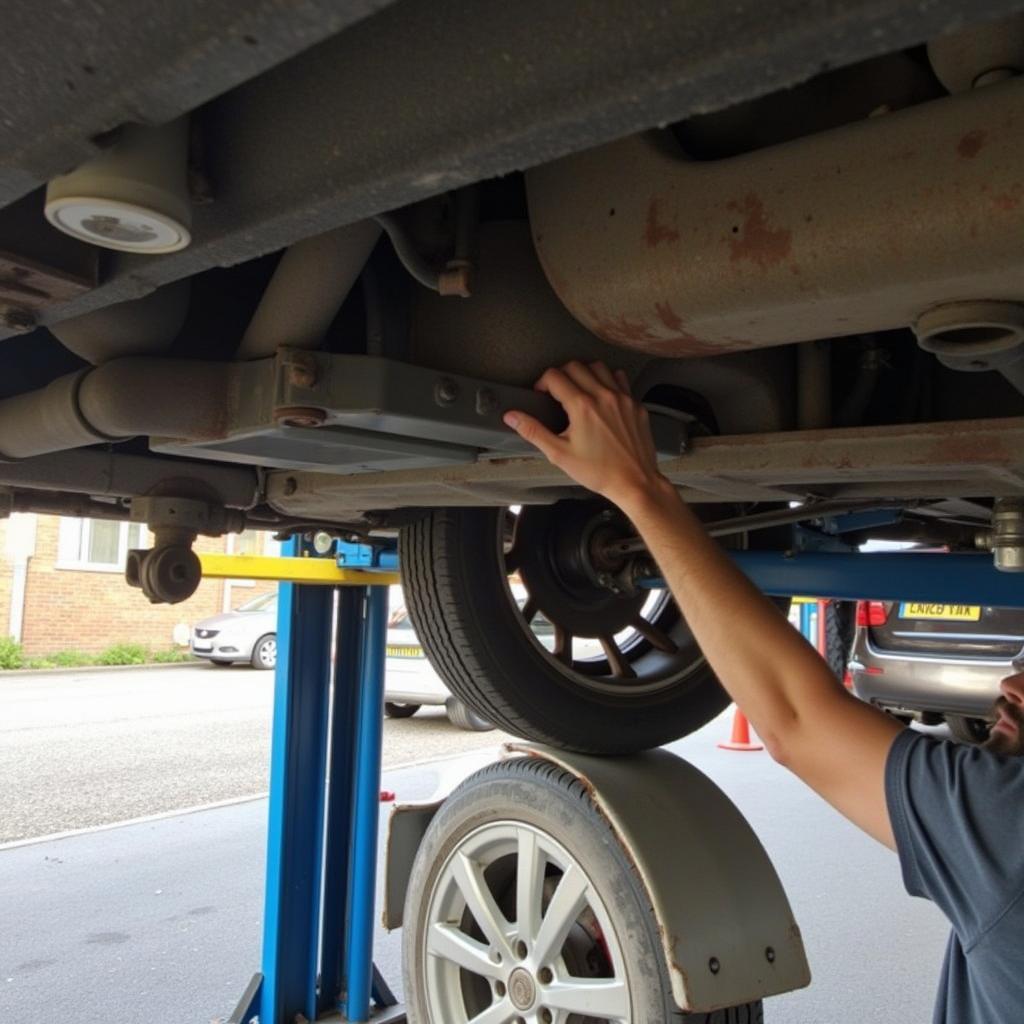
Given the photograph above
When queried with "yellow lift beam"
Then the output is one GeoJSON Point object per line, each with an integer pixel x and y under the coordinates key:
{"type": "Point", "coordinates": [291, 570]}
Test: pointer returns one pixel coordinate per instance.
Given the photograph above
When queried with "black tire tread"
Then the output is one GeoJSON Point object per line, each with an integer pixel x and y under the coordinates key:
{"type": "Point", "coordinates": [429, 579]}
{"type": "Point", "coordinates": [438, 559]}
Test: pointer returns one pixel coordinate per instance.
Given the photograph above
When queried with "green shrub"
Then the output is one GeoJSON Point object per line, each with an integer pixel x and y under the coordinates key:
{"type": "Point", "coordinates": [67, 659]}
{"type": "Point", "coordinates": [169, 657]}
{"type": "Point", "coordinates": [11, 654]}
{"type": "Point", "coordinates": [124, 654]}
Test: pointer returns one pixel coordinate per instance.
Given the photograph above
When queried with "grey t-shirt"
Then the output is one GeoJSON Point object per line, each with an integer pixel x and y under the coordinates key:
{"type": "Point", "coordinates": [958, 816]}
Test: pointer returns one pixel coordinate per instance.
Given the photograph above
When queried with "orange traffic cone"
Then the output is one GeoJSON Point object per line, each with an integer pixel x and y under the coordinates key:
{"type": "Point", "coordinates": [740, 738]}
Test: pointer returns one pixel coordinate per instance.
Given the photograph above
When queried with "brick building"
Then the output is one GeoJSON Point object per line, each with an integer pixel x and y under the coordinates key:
{"type": "Point", "coordinates": [62, 585]}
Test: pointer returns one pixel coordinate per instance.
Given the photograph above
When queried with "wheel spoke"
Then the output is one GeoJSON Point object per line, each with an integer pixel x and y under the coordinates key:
{"type": "Point", "coordinates": [621, 668]}
{"type": "Point", "coordinates": [566, 905]}
{"type": "Point", "coordinates": [655, 637]}
{"type": "Point", "coordinates": [529, 886]}
{"type": "Point", "coordinates": [499, 1012]}
{"type": "Point", "coordinates": [448, 942]}
{"type": "Point", "coordinates": [512, 560]}
{"type": "Point", "coordinates": [563, 645]}
{"type": "Point", "coordinates": [471, 882]}
{"type": "Point", "coordinates": [604, 998]}
{"type": "Point", "coordinates": [530, 610]}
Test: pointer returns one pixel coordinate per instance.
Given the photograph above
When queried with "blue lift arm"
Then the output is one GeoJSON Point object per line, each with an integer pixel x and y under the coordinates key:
{"type": "Point", "coordinates": [881, 576]}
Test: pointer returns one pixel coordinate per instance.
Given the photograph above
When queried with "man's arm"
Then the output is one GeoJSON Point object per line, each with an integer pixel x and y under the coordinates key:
{"type": "Point", "coordinates": [837, 744]}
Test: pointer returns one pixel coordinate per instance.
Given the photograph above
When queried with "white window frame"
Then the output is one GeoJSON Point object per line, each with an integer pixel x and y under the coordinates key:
{"type": "Point", "coordinates": [73, 538]}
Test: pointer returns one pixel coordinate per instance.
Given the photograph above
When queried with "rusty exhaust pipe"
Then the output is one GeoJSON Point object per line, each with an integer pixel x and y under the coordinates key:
{"type": "Point", "coordinates": [858, 229]}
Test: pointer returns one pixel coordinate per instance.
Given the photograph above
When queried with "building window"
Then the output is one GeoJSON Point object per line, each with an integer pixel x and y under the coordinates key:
{"type": "Point", "coordinates": [100, 545]}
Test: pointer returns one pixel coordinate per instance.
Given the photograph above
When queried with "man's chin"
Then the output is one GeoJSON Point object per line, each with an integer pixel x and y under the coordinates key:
{"type": "Point", "coordinates": [1005, 742]}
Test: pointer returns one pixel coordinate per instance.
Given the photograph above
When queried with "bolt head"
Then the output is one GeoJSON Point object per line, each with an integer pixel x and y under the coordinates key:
{"type": "Point", "coordinates": [299, 416]}
{"type": "Point", "coordinates": [302, 376]}
{"type": "Point", "coordinates": [446, 391]}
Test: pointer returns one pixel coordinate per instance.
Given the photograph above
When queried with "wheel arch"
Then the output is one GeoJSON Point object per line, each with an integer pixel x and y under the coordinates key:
{"type": "Point", "coordinates": [717, 901]}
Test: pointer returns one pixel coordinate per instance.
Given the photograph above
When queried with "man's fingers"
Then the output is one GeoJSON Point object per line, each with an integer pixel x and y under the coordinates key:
{"type": "Point", "coordinates": [604, 375]}
{"type": "Point", "coordinates": [555, 383]}
{"type": "Point", "coordinates": [622, 379]}
{"type": "Point", "coordinates": [584, 378]}
{"type": "Point", "coordinates": [533, 431]}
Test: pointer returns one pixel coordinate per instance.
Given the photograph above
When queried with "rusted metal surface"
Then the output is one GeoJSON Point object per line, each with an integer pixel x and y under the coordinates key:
{"type": "Point", "coordinates": [929, 460]}
{"type": "Point", "coordinates": [30, 285]}
{"type": "Point", "coordinates": [857, 229]}
{"type": "Point", "coordinates": [416, 100]}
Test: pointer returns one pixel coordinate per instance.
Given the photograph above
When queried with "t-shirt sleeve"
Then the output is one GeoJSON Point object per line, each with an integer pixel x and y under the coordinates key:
{"type": "Point", "coordinates": [957, 813]}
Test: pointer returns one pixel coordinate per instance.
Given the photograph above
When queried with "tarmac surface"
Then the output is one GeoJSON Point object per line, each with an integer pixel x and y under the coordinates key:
{"type": "Point", "coordinates": [159, 921]}
{"type": "Point", "coordinates": [87, 749]}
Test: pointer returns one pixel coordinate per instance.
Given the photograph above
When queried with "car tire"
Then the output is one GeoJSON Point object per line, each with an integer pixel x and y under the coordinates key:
{"type": "Point", "coordinates": [839, 632]}
{"type": "Point", "coordinates": [264, 652]}
{"type": "Point", "coordinates": [458, 597]}
{"type": "Point", "coordinates": [393, 710]}
{"type": "Point", "coordinates": [964, 729]}
{"type": "Point", "coordinates": [464, 717]}
{"type": "Point", "coordinates": [614, 936]}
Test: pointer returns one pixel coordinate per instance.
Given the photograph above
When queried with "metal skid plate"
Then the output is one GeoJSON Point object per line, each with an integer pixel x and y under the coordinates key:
{"type": "Point", "coordinates": [359, 414]}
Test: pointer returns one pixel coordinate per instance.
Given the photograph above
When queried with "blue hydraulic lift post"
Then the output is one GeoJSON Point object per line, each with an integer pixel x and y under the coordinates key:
{"type": "Point", "coordinates": [362, 868]}
{"type": "Point", "coordinates": [298, 766]}
{"type": "Point", "coordinates": [324, 801]}
{"type": "Point", "coordinates": [347, 669]}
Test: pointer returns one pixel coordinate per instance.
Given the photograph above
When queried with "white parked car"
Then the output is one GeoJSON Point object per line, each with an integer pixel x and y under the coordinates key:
{"type": "Point", "coordinates": [410, 680]}
{"type": "Point", "coordinates": [249, 633]}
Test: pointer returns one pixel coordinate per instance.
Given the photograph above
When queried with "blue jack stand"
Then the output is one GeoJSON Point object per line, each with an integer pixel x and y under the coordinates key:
{"type": "Point", "coordinates": [324, 800]}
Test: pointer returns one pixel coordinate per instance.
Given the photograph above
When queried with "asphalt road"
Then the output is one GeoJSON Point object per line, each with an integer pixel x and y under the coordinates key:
{"type": "Point", "coordinates": [160, 921]}
{"type": "Point", "coordinates": [84, 749]}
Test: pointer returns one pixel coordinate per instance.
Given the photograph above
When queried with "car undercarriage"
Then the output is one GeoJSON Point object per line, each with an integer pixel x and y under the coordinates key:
{"type": "Point", "coordinates": [285, 268]}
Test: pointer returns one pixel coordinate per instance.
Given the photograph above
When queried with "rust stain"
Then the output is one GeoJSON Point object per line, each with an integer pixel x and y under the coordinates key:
{"type": "Point", "coordinates": [756, 241]}
{"type": "Point", "coordinates": [668, 316]}
{"type": "Point", "coordinates": [655, 232]}
{"type": "Point", "coordinates": [653, 337]}
{"type": "Point", "coordinates": [1009, 200]}
{"type": "Point", "coordinates": [970, 145]}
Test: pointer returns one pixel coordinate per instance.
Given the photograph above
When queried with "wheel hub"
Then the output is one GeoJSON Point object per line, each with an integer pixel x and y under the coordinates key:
{"type": "Point", "coordinates": [522, 989]}
{"type": "Point", "coordinates": [553, 553]}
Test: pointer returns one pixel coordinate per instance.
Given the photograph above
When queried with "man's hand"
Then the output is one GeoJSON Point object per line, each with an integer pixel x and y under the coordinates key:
{"type": "Point", "coordinates": [607, 446]}
{"type": "Point", "coordinates": [837, 744]}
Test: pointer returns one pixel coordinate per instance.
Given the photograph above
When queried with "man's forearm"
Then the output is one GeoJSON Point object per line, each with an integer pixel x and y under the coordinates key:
{"type": "Point", "coordinates": [763, 663]}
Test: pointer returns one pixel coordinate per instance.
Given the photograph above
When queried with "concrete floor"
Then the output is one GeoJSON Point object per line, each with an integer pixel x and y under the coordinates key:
{"type": "Point", "coordinates": [159, 922]}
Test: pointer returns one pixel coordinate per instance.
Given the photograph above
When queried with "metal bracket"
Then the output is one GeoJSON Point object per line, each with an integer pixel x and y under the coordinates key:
{"type": "Point", "coordinates": [358, 414]}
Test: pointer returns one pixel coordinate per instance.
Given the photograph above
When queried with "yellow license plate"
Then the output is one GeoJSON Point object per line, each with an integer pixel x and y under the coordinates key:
{"type": "Point", "coordinates": [404, 651]}
{"type": "Point", "coordinates": [947, 612]}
